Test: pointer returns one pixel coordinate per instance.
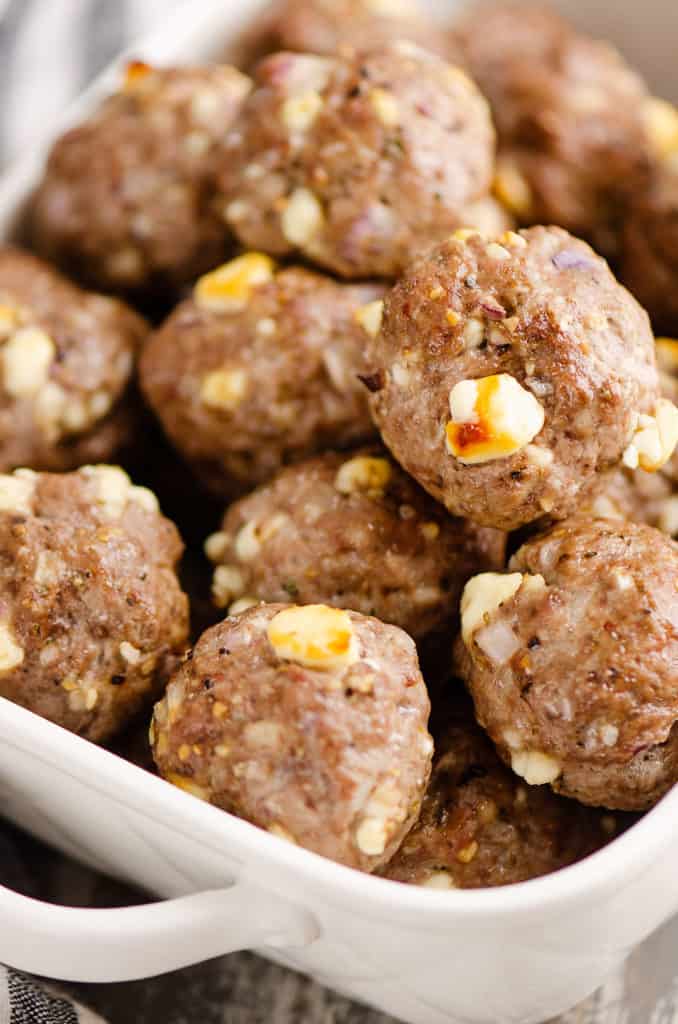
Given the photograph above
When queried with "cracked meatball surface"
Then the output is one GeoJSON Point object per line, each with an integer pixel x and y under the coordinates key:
{"type": "Point", "coordinates": [310, 722]}
{"type": "Point", "coordinates": [259, 368]}
{"type": "Point", "coordinates": [143, 219]}
{"type": "Point", "coordinates": [93, 618]}
{"type": "Point", "coordinates": [354, 531]}
{"type": "Point", "coordinates": [569, 114]}
{"type": "Point", "coordinates": [507, 375]}
{"type": "Point", "coordinates": [356, 162]}
{"type": "Point", "coordinates": [66, 362]}
{"type": "Point", "coordinates": [572, 661]}
{"type": "Point", "coordinates": [480, 825]}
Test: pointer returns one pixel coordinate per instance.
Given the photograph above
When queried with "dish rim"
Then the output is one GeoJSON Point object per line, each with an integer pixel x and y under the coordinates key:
{"type": "Point", "coordinates": [137, 789]}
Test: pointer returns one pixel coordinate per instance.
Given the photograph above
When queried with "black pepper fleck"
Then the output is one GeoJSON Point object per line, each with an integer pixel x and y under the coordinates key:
{"type": "Point", "coordinates": [372, 381]}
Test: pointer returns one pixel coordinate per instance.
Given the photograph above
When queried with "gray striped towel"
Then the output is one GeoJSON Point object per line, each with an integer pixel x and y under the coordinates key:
{"type": "Point", "coordinates": [23, 1001]}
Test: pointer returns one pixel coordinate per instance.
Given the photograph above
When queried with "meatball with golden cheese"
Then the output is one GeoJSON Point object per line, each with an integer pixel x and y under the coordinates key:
{"type": "Point", "coordinates": [507, 375]}
{"type": "Point", "coordinates": [358, 161]}
{"type": "Point", "coordinates": [353, 531]}
{"type": "Point", "coordinates": [310, 722]}
{"type": "Point", "coordinates": [572, 661]}
{"type": "Point", "coordinates": [93, 618]}
{"type": "Point", "coordinates": [66, 364]}
{"type": "Point", "coordinates": [481, 825]}
{"type": "Point", "coordinates": [259, 368]}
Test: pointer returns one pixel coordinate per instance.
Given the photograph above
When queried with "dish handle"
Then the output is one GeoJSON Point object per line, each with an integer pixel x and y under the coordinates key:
{"type": "Point", "coordinates": [130, 943]}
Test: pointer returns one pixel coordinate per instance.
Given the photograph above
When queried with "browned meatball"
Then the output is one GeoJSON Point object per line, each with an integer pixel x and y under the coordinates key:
{"type": "Point", "coordinates": [326, 26]}
{"type": "Point", "coordinates": [352, 531]}
{"type": "Point", "coordinates": [569, 114]}
{"type": "Point", "coordinates": [480, 826]}
{"type": "Point", "coordinates": [93, 618]}
{"type": "Point", "coordinates": [356, 161]}
{"type": "Point", "coordinates": [649, 263]}
{"type": "Point", "coordinates": [641, 497]}
{"type": "Point", "coordinates": [666, 350]}
{"type": "Point", "coordinates": [572, 661]}
{"type": "Point", "coordinates": [309, 722]}
{"type": "Point", "coordinates": [507, 375]}
{"type": "Point", "coordinates": [259, 368]}
{"type": "Point", "coordinates": [66, 360]}
{"type": "Point", "coordinates": [650, 498]}
{"type": "Point", "coordinates": [127, 201]}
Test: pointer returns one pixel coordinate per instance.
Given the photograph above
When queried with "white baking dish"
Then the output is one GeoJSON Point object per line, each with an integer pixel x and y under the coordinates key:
{"type": "Point", "coordinates": [518, 954]}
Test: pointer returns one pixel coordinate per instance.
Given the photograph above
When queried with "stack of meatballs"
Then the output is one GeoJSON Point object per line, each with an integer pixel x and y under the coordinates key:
{"type": "Point", "coordinates": [357, 302]}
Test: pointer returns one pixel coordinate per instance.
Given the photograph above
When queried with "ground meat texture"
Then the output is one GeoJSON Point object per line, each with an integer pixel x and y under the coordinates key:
{"type": "Point", "coordinates": [142, 219]}
{"type": "Point", "coordinates": [358, 161]}
{"type": "Point", "coordinates": [309, 722]}
{"type": "Point", "coordinates": [649, 262]}
{"type": "Point", "coordinates": [93, 619]}
{"type": "Point", "coordinates": [649, 498]}
{"type": "Point", "coordinates": [326, 26]}
{"type": "Point", "coordinates": [480, 825]}
{"type": "Point", "coordinates": [66, 360]}
{"type": "Point", "coordinates": [488, 216]}
{"type": "Point", "coordinates": [507, 375]}
{"type": "Point", "coordinates": [353, 531]}
{"type": "Point", "coordinates": [258, 369]}
{"type": "Point", "coordinates": [572, 660]}
{"type": "Point", "coordinates": [642, 497]}
{"type": "Point", "coordinates": [569, 114]}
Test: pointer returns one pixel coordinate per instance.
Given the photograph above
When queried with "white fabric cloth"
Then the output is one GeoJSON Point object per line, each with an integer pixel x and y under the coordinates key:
{"type": "Point", "coordinates": [50, 49]}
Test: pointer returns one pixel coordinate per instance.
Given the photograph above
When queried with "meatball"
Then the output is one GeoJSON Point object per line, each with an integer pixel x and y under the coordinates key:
{"type": "Point", "coordinates": [642, 497]}
{"type": "Point", "coordinates": [650, 498]}
{"type": "Point", "coordinates": [661, 126]}
{"type": "Point", "coordinates": [142, 220]}
{"type": "Point", "coordinates": [666, 350]}
{"type": "Point", "coordinates": [357, 161]}
{"type": "Point", "coordinates": [326, 26]}
{"type": "Point", "coordinates": [507, 375]}
{"type": "Point", "coordinates": [260, 368]}
{"type": "Point", "coordinates": [66, 360]}
{"type": "Point", "coordinates": [309, 722]}
{"type": "Point", "coordinates": [480, 826]}
{"type": "Point", "coordinates": [93, 618]}
{"type": "Point", "coordinates": [649, 260]}
{"type": "Point", "coordinates": [569, 114]}
{"type": "Point", "coordinates": [571, 659]}
{"type": "Point", "coordinates": [352, 531]}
